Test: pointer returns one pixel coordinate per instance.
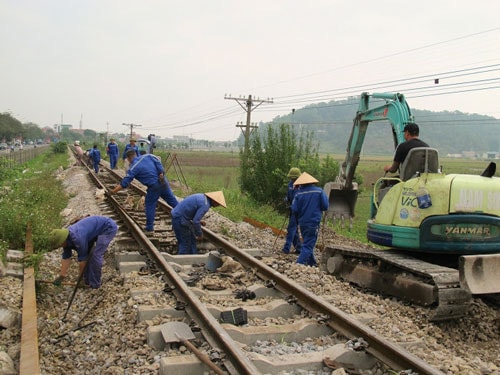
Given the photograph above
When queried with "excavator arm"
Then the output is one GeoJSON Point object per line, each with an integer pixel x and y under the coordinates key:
{"type": "Point", "coordinates": [343, 191]}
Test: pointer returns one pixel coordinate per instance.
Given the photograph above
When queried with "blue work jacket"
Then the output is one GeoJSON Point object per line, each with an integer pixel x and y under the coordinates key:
{"type": "Point", "coordinates": [84, 233]}
{"type": "Point", "coordinates": [145, 169]}
{"type": "Point", "coordinates": [308, 205]}
{"type": "Point", "coordinates": [95, 154]}
{"type": "Point", "coordinates": [130, 147]}
{"type": "Point", "coordinates": [112, 149]}
{"type": "Point", "coordinates": [192, 209]}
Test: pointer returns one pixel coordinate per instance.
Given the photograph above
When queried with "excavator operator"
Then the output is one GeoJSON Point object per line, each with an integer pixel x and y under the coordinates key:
{"type": "Point", "coordinates": [411, 132]}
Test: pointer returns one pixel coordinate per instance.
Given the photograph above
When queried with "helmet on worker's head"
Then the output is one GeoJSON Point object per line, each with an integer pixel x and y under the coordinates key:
{"type": "Point", "coordinates": [293, 173]}
{"type": "Point", "coordinates": [304, 179]}
{"type": "Point", "coordinates": [132, 140]}
{"type": "Point", "coordinates": [57, 237]}
{"type": "Point", "coordinates": [217, 197]}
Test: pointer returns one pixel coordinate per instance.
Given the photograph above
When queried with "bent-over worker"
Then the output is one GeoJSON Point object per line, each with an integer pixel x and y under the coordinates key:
{"type": "Point", "coordinates": [90, 237]}
{"type": "Point", "coordinates": [186, 219]}
{"type": "Point", "coordinates": [149, 171]}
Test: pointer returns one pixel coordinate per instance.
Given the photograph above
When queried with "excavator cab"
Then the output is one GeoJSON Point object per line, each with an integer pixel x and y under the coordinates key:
{"type": "Point", "coordinates": [419, 160]}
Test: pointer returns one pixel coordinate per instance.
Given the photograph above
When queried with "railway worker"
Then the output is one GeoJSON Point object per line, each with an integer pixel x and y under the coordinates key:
{"type": "Point", "coordinates": [90, 237]}
{"type": "Point", "coordinates": [308, 205]}
{"type": "Point", "coordinates": [112, 151]}
{"type": "Point", "coordinates": [411, 132]}
{"type": "Point", "coordinates": [79, 153]}
{"type": "Point", "coordinates": [130, 146]}
{"type": "Point", "coordinates": [187, 219]}
{"type": "Point", "coordinates": [149, 171]}
{"type": "Point", "coordinates": [292, 232]}
{"type": "Point", "coordinates": [95, 156]}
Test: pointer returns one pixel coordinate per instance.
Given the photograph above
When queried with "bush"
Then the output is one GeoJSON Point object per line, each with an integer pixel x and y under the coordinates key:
{"type": "Point", "coordinates": [60, 147]}
{"type": "Point", "coordinates": [265, 166]}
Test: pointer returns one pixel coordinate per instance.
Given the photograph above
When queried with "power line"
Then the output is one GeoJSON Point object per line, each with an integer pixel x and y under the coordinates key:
{"type": "Point", "coordinates": [132, 126]}
{"type": "Point", "coordinates": [397, 85]}
{"type": "Point", "coordinates": [250, 104]}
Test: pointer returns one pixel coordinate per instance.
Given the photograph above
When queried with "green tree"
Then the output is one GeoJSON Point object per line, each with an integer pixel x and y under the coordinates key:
{"type": "Point", "coordinates": [10, 127]}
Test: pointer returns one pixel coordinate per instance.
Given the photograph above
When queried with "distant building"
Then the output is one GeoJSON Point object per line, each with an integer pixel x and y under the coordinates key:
{"type": "Point", "coordinates": [181, 138]}
{"type": "Point", "coordinates": [60, 127]}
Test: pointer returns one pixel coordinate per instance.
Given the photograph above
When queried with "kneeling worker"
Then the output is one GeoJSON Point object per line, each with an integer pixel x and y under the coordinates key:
{"type": "Point", "coordinates": [187, 215]}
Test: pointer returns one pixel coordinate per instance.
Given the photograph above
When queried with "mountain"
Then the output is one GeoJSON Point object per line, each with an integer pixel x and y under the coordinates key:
{"type": "Point", "coordinates": [450, 132]}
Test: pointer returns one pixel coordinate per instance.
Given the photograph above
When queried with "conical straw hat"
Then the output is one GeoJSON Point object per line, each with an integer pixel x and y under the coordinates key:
{"type": "Point", "coordinates": [305, 178]}
{"type": "Point", "coordinates": [217, 196]}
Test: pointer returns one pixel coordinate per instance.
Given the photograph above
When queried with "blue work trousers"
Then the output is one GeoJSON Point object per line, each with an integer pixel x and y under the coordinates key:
{"type": "Point", "coordinates": [93, 271]}
{"type": "Point", "coordinates": [153, 194]}
{"type": "Point", "coordinates": [309, 236]}
{"type": "Point", "coordinates": [96, 166]}
{"type": "Point", "coordinates": [112, 160]}
{"type": "Point", "coordinates": [292, 236]}
{"type": "Point", "coordinates": [184, 232]}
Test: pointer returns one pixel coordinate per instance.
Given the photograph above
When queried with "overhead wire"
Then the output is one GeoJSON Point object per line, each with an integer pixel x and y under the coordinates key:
{"type": "Point", "coordinates": [409, 84]}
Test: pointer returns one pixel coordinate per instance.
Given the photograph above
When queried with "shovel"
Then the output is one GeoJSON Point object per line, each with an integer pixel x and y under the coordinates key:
{"type": "Point", "coordinates": [180, 332]}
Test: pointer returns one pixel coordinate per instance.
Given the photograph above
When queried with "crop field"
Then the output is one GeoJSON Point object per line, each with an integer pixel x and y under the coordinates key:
{"type": "Point", "coordinates": [209, 171]}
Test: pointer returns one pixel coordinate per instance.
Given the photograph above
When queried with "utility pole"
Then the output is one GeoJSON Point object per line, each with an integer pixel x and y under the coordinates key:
{"type": "Point", "coordinates": [248, 106]}
{"type": "Point", "coordinates": [132, 126]}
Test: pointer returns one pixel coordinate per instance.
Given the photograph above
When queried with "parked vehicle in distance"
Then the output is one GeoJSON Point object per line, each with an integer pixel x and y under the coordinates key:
{"type": "Point", "coordinates": [144, 146]}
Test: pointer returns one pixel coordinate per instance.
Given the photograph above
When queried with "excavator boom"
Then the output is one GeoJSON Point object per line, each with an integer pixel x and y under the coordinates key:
{"type": "Point", "coordinates": [343, 192]}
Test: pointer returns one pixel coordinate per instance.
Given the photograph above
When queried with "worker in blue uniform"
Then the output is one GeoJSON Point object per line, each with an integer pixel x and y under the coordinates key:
{"type": "Point", "coordinates": [309, 203]}
{"type": "Point", "coordinates": [112, 151]}
{"type": "Point", "coordinates": [292, 231]}
{"type": "Point", "coordinates": [149, 171]}
{"type": "Point", "coordinates": [130, 146]}
{"type": "Point", "coordinates": [95, 155]}
{"type": "Point", "coordinates": [187, 219]}
{"type": "Point", "coordinates": [90, 237]}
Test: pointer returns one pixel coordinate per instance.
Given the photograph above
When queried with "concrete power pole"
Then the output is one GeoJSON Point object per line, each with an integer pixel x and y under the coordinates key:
{"type": "Point", "coordinates": [132, 126]}
{"type": "Point", "coordinates": [248, 106]}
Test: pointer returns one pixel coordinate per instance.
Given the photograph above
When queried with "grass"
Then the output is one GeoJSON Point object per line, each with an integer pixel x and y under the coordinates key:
{"type": "Point", "coordinates": [31, 194]}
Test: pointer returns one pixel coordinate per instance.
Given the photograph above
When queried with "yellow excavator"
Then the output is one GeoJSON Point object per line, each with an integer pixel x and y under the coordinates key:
{"type": "Point", "coordinates": [439, 233]}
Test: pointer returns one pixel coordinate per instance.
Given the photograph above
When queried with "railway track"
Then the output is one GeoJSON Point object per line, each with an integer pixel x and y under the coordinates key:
{"type": "Point", "coordinates": [241, 315]}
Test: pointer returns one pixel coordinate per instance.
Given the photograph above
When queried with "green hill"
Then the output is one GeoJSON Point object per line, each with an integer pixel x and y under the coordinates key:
{"type": "Point", "coordinates": [449, 132]}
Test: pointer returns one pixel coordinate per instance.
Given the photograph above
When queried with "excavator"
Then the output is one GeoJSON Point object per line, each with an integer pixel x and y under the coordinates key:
{"type": "Point", "coordinates": [436, 235]}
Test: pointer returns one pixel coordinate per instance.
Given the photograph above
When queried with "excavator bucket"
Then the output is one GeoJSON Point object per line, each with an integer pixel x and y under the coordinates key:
{"type": "Point", "coordinates": [479, 273]}
{"type": "Point", "coordinates": [341, 202]}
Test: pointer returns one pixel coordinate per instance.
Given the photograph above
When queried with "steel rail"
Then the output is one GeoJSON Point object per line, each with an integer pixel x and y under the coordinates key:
{"type": "Point", "coordinates": [29, 362]}
{"type": "Point", "coordinates": [389, 353]}
{"type": "Point", "coordinates": [238, 362]}
{"type": "Point", "coordinates": [384, 350]}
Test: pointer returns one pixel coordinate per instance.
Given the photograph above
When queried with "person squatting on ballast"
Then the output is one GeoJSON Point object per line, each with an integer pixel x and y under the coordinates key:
{"type": "Point", "coordinates": [187, 219]}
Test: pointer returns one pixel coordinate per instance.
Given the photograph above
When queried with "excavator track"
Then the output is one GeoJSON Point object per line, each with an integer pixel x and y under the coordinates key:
{"type": "Point", "coordinates": [399, 274]}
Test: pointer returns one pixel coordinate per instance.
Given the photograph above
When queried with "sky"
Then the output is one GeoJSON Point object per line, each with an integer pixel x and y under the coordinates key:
{"type": "Point", "coordinates": [180, 67]}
